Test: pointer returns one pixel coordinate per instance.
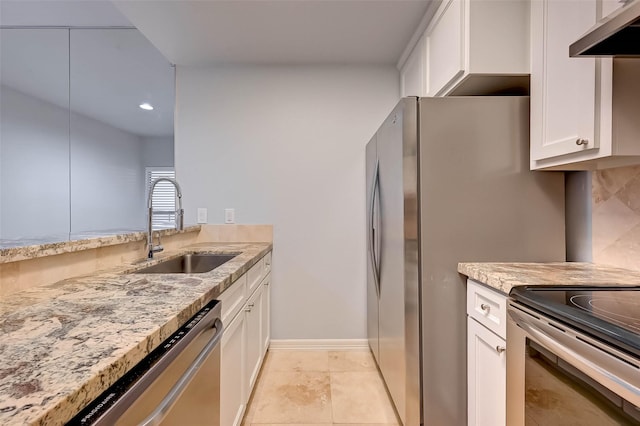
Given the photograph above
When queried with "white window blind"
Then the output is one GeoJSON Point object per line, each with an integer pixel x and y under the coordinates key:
{"type": "Point", "coordinates": [164, 197]}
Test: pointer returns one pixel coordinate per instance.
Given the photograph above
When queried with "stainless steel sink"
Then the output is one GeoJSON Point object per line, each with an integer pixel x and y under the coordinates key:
{"type": "Point", "coordinates": [188, 264]}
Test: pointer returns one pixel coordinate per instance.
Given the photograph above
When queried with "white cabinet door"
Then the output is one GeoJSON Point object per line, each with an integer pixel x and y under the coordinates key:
{"type": "Point", "coordinates": [486, 376]}
{"type": "Point", "coordinates": [253, 318]}
{"type": "Point", "coordinates": [233, 395]}
{"type": "Point", "coordinates": [445, 46]}
{"type": "Point", "coordinates": [580, 107]}
{"type": "Point", "coordinates": [265, 323]}
{"type": "Point", "coordinates": [563, 89]}
{"type": "Point", "coordinates": [478, 47]}
{"type": "Point", "coordinates": [610, 6]}
{"type": "Point", "coordinates": [413, 73]}
{"type": "Point", "coordinates": [245, 341]}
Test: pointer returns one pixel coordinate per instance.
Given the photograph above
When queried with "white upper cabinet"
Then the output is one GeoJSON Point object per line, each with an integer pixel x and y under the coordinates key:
{"type": "Point", "coordinates": [610, 6]}
{"type": "Point", "coordinates": [579, 106]}
{"type": "Point", "coordinates": [445, 46]}
{"type": "Point", "coordinates": [471, 47]}
{"type": "Point", "coordinates": [413, 74]}
{"type": "Point", "coordinates": [477, 47]}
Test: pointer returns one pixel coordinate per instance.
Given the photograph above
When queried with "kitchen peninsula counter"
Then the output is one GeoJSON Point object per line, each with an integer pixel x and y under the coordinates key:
{"type": "Point", "coordinates": [504, 276]}
{"type": "Point", "coordinates": [18, 250]}
{"type": "Point", "coordinates": [63, 344]}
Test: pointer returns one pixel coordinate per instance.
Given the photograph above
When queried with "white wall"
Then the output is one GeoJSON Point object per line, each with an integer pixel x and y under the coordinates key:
{"type": "Point", "coordinates": [107, 172]}
{"type": "Point", "coordinates": [157, 151]}
{"type": "Point", "coordinates": [286, 146]}
{"type": "Point", "coordinates": [34, 158]}
{"type": "Point", "coordinates": [107, 177]}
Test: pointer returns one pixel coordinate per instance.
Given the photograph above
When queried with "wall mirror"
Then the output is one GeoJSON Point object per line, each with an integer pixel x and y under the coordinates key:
{"type": "Point", "coordinates": [76, 147]}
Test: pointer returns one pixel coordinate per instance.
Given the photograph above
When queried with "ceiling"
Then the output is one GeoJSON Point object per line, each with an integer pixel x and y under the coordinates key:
{"type": "Point", "coordinates": [200, 32]}
{"type": "Point", "coordinates": [61, 13]}
{"type": "Point", "coordinates": [113, 71]}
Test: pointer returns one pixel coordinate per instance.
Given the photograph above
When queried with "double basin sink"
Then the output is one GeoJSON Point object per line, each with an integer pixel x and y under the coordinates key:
{"type": "Point", "coordinates": [193, 263]}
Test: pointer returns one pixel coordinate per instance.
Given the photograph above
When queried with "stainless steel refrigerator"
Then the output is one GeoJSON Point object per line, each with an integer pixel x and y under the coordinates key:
{"type": "Point", "coordinates": [448, 181]}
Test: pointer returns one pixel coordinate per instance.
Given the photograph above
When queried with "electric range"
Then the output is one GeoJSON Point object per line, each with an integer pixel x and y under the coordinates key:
{"type": "Point", "coordinates": [580, 346]}
{"type": "Point", "coordinates": [610, 314]}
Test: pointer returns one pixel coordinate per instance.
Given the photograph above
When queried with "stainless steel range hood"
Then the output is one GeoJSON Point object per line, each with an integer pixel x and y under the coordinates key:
{"type": "Point", "coordinates": [616, 35]}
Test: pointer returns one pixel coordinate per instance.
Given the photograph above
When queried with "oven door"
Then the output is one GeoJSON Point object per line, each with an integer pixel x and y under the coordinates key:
{"type": "Point", "coordinates": [558, 376]}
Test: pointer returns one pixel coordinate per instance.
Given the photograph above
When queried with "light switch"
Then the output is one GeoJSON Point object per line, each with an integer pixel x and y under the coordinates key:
{"type": "Point", "coordinates": [202, 215]}
{"type": "Point", "coordinates": [229, 216]}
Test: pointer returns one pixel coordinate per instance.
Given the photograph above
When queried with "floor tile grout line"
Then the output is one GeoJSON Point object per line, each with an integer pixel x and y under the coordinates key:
{"type": "Point", "coordinates": [358, 367]}
{"type": "Point", "coordinates": [333, 420]}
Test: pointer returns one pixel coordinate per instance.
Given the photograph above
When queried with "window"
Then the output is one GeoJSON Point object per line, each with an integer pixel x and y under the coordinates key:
{"type": "Point", "coordinates": [164, 197]}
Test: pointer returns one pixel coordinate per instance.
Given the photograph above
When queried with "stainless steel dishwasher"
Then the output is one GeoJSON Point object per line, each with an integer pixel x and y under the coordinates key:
{"type": "Point", "coordinates": [178, 383]}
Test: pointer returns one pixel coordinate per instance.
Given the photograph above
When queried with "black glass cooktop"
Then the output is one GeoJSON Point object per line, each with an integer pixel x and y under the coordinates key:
{"type": "Point", "coordinates": [611, 314]}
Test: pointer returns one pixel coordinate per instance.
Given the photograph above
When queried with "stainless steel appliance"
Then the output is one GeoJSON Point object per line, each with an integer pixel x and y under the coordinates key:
{"type": "Point", "coordinates": [178, 383]}
{"type": "Point", "coordinates": [448, 181]}
{"type": "Point", "coordinates": [573, 353]}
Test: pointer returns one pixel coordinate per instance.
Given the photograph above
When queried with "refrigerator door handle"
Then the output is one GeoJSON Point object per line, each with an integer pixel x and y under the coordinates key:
{"type": "Point", "coordinates": [372, 230]}
{"type": "Point", "coordinates": [376, 226]}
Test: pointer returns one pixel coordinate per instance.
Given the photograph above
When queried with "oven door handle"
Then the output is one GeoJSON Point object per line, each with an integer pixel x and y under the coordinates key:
{"type": "Point", "coordinates": [592, 361]}
{"type": "Point", "coordinates": [155, 418]}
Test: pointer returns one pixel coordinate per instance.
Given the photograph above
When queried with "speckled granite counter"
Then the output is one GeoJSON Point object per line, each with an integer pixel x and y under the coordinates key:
{"type": "Point", "coordinates": [41, 249]}
{"type": "Point", "coordinates": [62, 345]}
{"type": "Point", "coordinates": [504, 276]}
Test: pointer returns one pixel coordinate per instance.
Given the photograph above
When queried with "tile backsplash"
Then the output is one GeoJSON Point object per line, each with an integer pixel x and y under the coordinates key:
{"type": "Point", "coordinates": [616, 217]}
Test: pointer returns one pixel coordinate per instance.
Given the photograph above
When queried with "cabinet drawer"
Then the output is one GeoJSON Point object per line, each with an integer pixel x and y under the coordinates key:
{"type": "Point", "coordinates": [232, 299]}
{"type": "Point", "coordinates": [488, 307]}
{"type": "Point", "coordinates": [254, 276]}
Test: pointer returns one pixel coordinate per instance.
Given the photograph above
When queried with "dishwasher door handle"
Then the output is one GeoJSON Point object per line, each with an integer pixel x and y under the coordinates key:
{"type": "Point", "coordinates": [168, 401]}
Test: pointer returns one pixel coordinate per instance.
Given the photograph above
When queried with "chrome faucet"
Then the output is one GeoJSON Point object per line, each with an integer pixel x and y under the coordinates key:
{"type": "Point", "coordinates": [179, 215]}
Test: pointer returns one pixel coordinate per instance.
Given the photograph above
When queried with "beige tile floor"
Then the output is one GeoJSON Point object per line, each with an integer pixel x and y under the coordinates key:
{"type": "Point", "coordinates": [319, 388]}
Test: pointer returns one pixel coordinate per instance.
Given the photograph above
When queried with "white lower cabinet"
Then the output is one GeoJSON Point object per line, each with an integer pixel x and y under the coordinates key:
{"type": "Point", "coordinates": [245, 340]}
{"type": "Point", "coordinates": [486, 376]}
{"type": "Point", "coordinates": [253, 318]}
{"type": "Point", "coordinates": [258, 332]}
{"type": "Point", "coordinates": [486, 356]}
{"type": "Point", "coordinates": [265, 324]}
{"type": "Point", "coordinates": [232, 371]}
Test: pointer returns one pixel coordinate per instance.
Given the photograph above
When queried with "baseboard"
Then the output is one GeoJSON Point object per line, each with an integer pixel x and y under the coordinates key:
{"type": "Point", "coordinates": [318, 344]}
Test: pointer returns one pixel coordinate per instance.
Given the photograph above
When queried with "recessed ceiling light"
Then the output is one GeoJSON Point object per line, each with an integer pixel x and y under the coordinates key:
{"type": "Point", "coordinates": [146, 106]}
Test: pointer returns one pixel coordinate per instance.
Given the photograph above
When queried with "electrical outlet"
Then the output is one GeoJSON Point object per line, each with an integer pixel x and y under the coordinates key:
{"type": "Point", "coordinates": [202, 215]}
{"type": "Point", "coordinates": [229, 216]}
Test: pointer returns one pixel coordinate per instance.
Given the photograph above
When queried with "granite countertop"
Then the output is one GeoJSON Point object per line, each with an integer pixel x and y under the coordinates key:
{"type": "Point", "coordinates": [63, 344]}
{"type": "Point", "coordinates": [36, 248]}
{"type": "Point", "coordinates": [504, 276]}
